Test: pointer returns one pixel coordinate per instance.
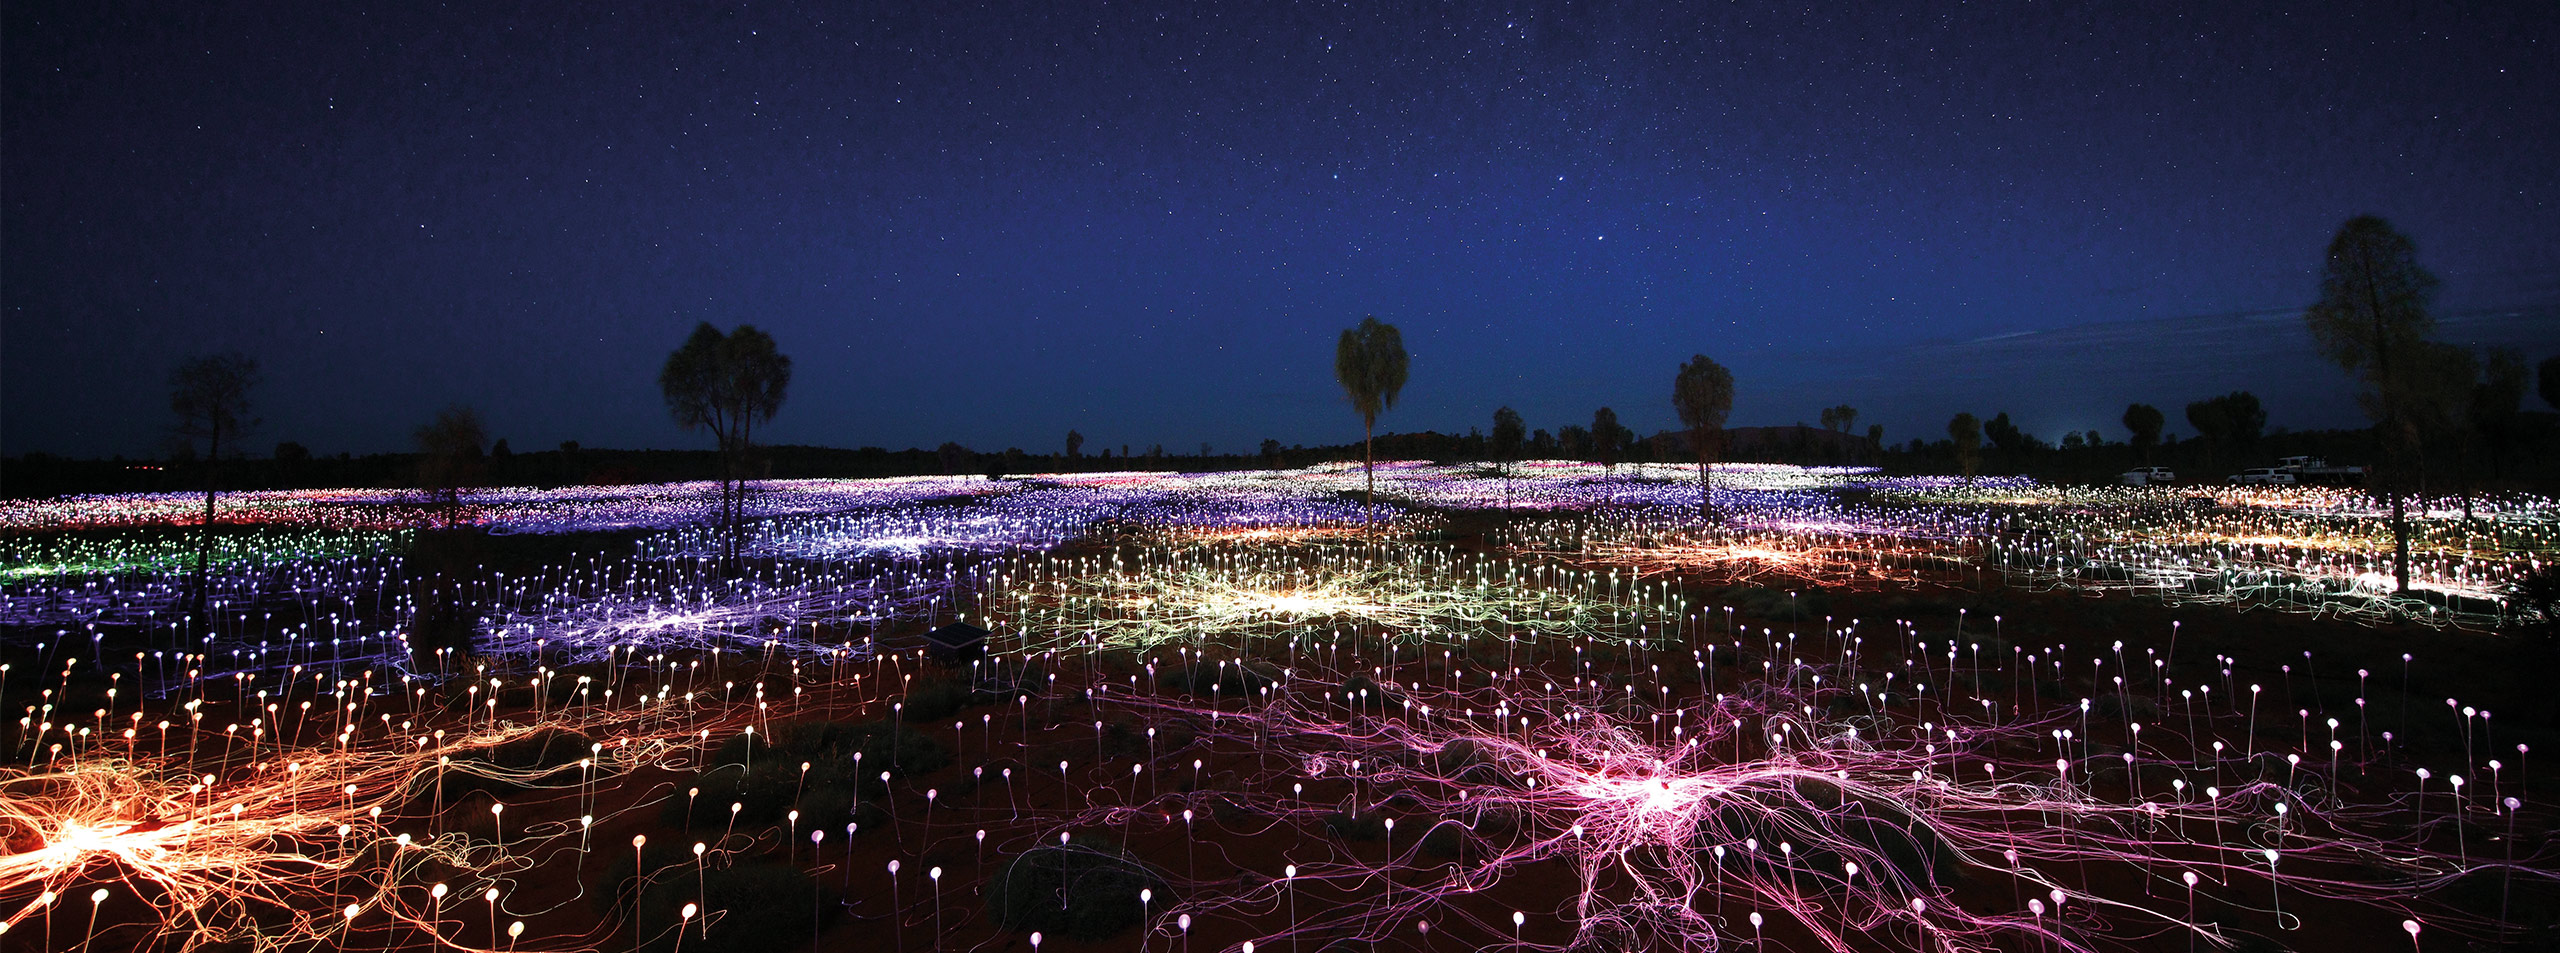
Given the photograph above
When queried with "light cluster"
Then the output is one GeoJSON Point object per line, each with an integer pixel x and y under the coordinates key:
{"type": "Point", "coordinates": [1563, 707]}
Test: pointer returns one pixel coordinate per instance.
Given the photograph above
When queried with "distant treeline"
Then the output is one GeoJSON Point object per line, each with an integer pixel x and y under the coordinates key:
{"type": "Point", "coordinates": [290, 467]}
{"type": "Point", "coordinates": [2074, 459]}
{"type": "Point", "coordinates": [42, 475]}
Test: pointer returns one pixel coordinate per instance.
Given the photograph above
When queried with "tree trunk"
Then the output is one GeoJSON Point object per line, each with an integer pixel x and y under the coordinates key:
{"type": "Point", "coordinates": [1369, 467]}
{"type": "Point", "coordinates": [2399, 442]}
{"type": "Point", "coordinates": [204, 536]}
{"type": "Point", "coordinates": [1706, 506]}
{"type": "Point", "coordinates": [724, 437]}
{"type": "Point", "coordinates": [738, 509]}
{"type": "Point", "coordinates": [737, 489]}
{"type": "Point", "coordinates": [2400, 542]}
{"type": "Point", "coordinates": [728, 457]}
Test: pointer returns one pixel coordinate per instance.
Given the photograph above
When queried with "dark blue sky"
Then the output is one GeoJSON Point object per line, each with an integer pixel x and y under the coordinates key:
{"type": "Point", "coordinates": [991, 223]}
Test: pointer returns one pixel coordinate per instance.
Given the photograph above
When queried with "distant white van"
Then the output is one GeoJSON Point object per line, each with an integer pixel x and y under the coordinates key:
{"type": "Point", "coordinates": [2265, 476]}
{"type": "Point", "coordinates": [2145, 476]}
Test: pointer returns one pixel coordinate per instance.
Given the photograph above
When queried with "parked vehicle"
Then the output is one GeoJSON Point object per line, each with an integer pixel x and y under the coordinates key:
{"type": "Point", "coordinates": [2265, 476]}
{"type": "Point", "coordinates": [2310, 469]}
{"type": "Point", "coordinates": [2145, 476]}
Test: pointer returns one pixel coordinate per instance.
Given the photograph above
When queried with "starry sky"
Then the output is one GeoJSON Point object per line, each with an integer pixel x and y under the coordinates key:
{"type": "Point", "coordinates": [993, 222]}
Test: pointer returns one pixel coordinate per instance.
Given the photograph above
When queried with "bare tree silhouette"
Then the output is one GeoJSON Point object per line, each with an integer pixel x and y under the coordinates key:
{"type": "Point", "coordinates": [210, 396]}
{"type": "Point", "coordinates": [726, 384]}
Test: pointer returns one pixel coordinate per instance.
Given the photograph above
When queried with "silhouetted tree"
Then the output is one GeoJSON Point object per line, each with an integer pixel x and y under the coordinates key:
{"type": "Point", "coordinates": [1838, 419]}
{"type": "Point", "coordinates": [292, 463]}
{"type": "Point", "coordinates": [1966, 431]}
{"type": "Point", "coordinates": [2206, 417]}
{"type": "Point", "coordinates": [449, 457]}
{"type": "Point", "coordinates": [2495, 402]}
{"type": "Point", "coordinates": [1270, 453]}
{"type": "Point", "coordinates": [210, 396]}
{"type": "Point", "coordinates": [1702, 394]}
{"type": "Point", "coordinates": [953, 457]}
{"type": "Point", "coordinates": [1371, 365]}
{"type": "Point", "coordinates": [2144, 422]}
{"type": "Point", "coordinates": [726, 384]}
{"type": "Point", "coordinates": [2245, 420]}
{"type": "Point", "coordinates": [2550, 382]}
{"type": "Point", "coordinates": [567, 468]}
{"type": "Point", "coordinates": [1574, 441]}
{"type": "Point", "coordinates": [2371, 319]}
{"type": "Point", "coordinates": [2230, 423]}
{"type": "Point", "coordinates": [2440, 412]}
{"type": "Point", "coordinates": [1075, 445]}
{"type": "Point", "coordinates": [1508, 433]}
{"type": "Point", "coordinates": [1875, 438]}
{"type": "Point", "coordinates": [1606, 437]}
{"type": "Point", "coordinates": [2007, 437]}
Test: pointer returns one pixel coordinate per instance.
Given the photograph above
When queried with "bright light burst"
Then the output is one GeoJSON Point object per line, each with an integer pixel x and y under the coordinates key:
{"type": "Point", "coordinates": [1416, 593]}
{"type": "Point", "coordinates": [273, 851]}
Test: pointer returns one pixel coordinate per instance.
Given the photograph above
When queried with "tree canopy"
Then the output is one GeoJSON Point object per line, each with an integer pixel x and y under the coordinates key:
{"type": "Point", "coordinates": [2144, 422]}
{"type": "Point", "coordinates": [1966, 431]}
{"type": "Point", "coordinates": [1509, 431]}
{"type": "Point", "coordinates": [2372, 320]}
{"type": "Point", "coordinates": [727, 384]}
{"type": "Point", "coordinates": [1702, 394]}
{"type": "Point", "coordinates": [1839, 418]}
{"type": "Point", "coordinates": [2496, 401]}
{"type": "Point", "coordinates": [450, 454]}
{"type": "Point", "coordinates": [2006, 435]}
{"type": "Point", "coordinates": [1607, 437]}
{"type": "Point", "coordinates": [2232, 422]}
{"type": "Point", "coordinates": [1370, 362]}
{"type": "Point", "coordinates": [210, 395]}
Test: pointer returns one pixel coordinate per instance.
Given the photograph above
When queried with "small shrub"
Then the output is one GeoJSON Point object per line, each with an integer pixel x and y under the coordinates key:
{"type": "Point", "coordinates": [2120, 707]}
{"type": "Point", "coordinates": [2538, 590]}
{"type": "Point", "coordinates": [525, 762]}
{"type": "Point", "coordinates": [1203, 678]}
{"type": "Point", "coordinates": [752, 908]}
{"type": "Point", "coordinates": [762, 772]}
{"type": "Point", "coordinates": [1445, 839]}
{"type": "Point", "coordinates": [1079, 890]}
{"type": "Point", "coordinates": [762, 794]}
{"type": "Point", "coordinates": [617, 884]}
{"type": "Point", "coordinates": [1356, 827]}
{"type": "Point", "coordinates": [1377, 698]}
{"type": "Point", "coordinates": [936, 699]}
{"type": "Point", "coordinates": [829, 748]}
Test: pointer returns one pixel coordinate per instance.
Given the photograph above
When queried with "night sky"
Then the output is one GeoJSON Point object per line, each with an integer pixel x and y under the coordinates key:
{"type": "Point", "coordinates": [991, 223]}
